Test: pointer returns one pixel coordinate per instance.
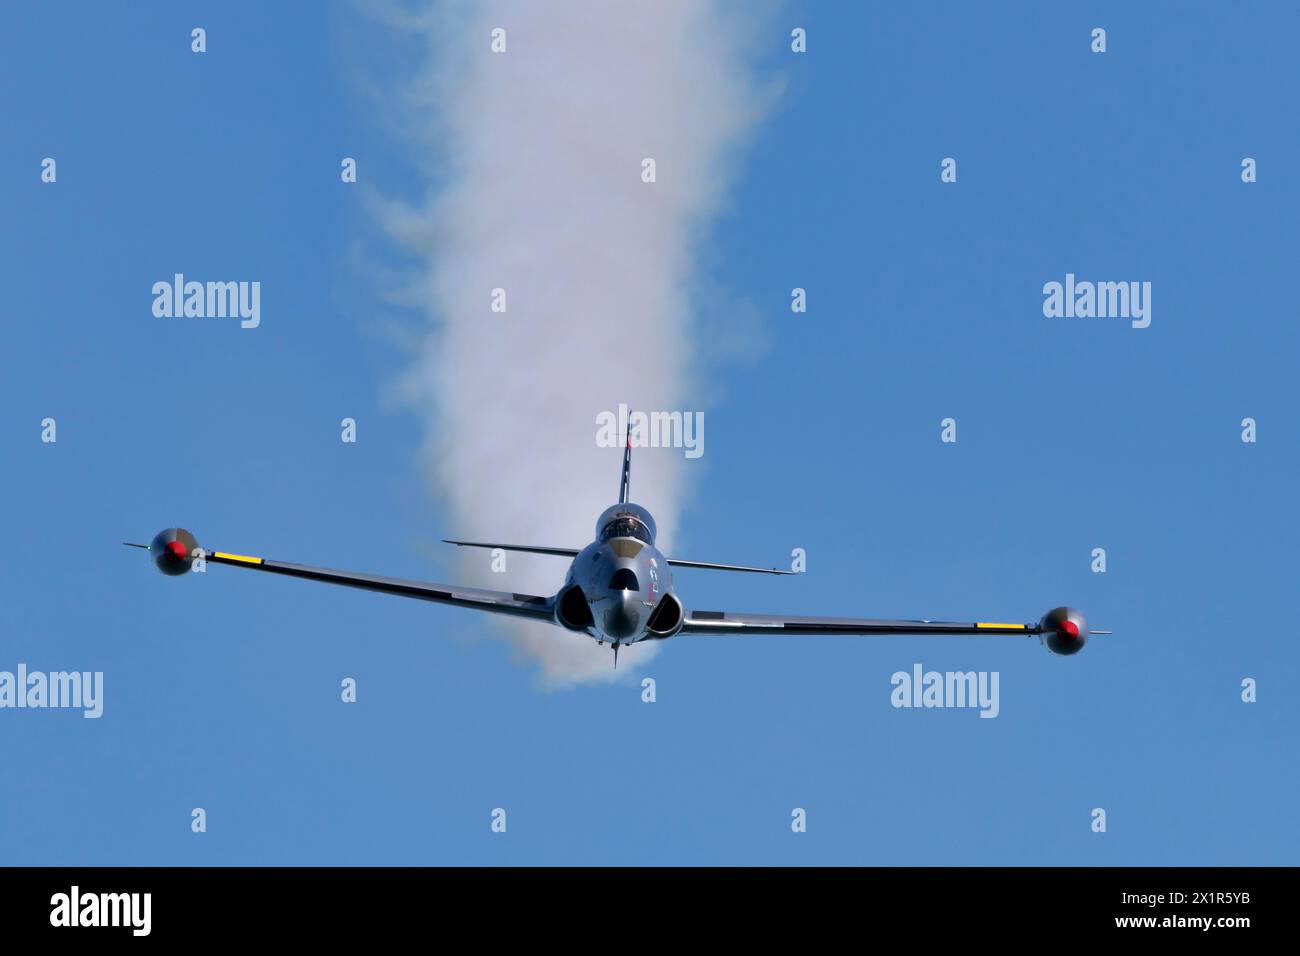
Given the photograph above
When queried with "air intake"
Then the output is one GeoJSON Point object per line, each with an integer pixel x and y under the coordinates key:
{"type": "Point", "coordinates": [666, 620]}
{"type": "Point", "coordinates": [571, 610]}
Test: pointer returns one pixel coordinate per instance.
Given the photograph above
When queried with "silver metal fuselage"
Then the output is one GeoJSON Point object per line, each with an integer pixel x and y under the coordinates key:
{"type": "Point", "coordinates": [623, 576]}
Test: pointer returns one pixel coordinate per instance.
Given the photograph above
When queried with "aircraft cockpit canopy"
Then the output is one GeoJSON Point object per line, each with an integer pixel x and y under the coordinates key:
{"type": "Point", "coordinates": [626, 527]}
{"type": "Point", "coordinates": [626, 521]}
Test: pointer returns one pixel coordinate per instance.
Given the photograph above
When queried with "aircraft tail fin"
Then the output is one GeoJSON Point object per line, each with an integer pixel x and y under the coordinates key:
{"type": "Point", "coordinates": [627, 469]}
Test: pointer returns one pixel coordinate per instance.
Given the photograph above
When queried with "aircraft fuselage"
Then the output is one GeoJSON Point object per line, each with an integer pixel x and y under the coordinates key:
{"type": "Point", "coordinates": [623, 580]}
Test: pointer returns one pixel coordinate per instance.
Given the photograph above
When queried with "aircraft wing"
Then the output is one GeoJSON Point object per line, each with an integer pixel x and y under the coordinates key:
{"type": "Point", "coordinates": [683, 563]}
{"type": "Point", "coordinates": [527, 548]}
{"type": "Point", "coordinates": [175, 551]}
{"type": "Point", "coordinates": [573, 553]}
{"type": "Point", "coordinates": [726, 622]}
{"type": "Point", "coordinates": [499, 602]}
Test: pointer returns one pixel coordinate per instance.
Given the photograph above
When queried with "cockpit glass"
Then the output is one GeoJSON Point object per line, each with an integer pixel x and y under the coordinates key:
{"type": "Point", "coordinates": [625, 528]}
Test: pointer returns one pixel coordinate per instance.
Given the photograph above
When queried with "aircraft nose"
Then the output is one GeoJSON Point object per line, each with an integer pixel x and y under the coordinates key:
{"type": "Point", "coordinates": [622, 614]}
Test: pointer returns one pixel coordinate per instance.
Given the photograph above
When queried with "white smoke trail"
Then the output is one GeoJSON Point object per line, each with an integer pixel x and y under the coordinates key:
{"type": "Point", "coordinates": [540, 153]}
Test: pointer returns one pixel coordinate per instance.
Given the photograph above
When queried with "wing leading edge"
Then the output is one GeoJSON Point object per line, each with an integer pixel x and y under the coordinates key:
{"type": "Point", "coordinates": [725, 622]}
{"type": "Point", "coordinates": [498, 602]}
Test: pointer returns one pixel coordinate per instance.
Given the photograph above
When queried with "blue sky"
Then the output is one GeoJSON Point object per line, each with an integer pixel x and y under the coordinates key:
{"type": "Point", "coordinates": [924, 302]}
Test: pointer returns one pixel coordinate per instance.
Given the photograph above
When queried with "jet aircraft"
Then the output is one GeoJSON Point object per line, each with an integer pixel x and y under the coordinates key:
{"type": "Point", "coordinates": [619, 590]}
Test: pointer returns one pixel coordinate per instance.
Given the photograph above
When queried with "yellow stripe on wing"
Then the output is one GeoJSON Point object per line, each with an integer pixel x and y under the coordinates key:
{"type": "Point", "coordinates": [241, 558]}
{"type": "Point", "coordinates": [1008, 627]}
